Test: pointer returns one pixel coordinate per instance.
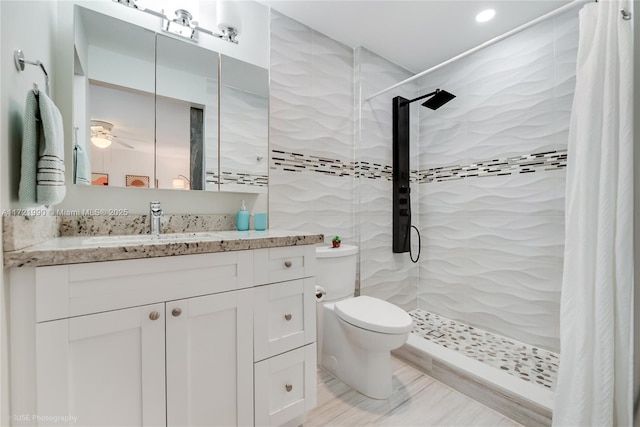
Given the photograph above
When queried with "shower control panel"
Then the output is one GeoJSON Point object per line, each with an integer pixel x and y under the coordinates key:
{"type": "Point", "coordinates": [401, 174]}
{"type": "Point", "coordinates": [401, 219]}
{"type": "Point", "coordinates": [403, 201]}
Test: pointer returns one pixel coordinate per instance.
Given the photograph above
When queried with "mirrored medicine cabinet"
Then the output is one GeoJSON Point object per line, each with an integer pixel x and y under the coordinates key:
{"type": "Point", "coordinates": [154, 111]}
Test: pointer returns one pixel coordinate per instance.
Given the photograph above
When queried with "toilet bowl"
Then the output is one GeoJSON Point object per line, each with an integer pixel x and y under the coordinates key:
{"type": "Point", "coordinates": [356, 334]}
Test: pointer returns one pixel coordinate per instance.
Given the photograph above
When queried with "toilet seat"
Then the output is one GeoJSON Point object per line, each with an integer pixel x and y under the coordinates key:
{"type": "Point", "coordinates": [374, 315]}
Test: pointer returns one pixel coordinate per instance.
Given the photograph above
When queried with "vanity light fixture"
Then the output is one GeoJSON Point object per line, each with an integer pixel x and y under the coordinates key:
{"type": "Point", "coordinates": [101, 133]}
{"type": "Point", "coordinates": [183, 24]}
{"type": "Point", "coordinates": [228, 20]}
{"type": "Point", "coordinates": [485, 15]}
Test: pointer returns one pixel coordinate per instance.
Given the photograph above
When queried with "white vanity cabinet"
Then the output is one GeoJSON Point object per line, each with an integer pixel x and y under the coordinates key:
{"type": "Point", "coordinates": [162, 342]}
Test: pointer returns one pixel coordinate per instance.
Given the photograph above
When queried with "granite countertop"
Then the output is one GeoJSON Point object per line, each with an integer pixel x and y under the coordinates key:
{"type": "Point", "coordinates": [75, 250]}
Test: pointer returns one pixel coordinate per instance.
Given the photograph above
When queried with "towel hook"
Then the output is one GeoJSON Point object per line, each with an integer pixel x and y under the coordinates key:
{"type": "Point", "coordinates": [18, 58]}
{"type": "Point", "coordinates": [625, 15]}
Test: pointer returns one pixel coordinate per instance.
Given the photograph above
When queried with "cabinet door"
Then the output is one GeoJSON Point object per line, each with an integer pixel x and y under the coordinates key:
{"type": "Point", "coordinates": [210, 360]}
{"type": "Point", "coordinates": [286, 386]}
{"type": "Point", "coordinates": [103, 369]}
{"type": "Point", "coordinates": [284, 317]}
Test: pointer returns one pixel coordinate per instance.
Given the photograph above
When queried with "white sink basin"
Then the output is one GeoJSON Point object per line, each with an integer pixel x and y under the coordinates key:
{"type": "Point", "coordinates": [150, 238]}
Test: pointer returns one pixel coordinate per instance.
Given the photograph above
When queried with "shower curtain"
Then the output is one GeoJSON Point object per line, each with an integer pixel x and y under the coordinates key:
{"type": "Point", "coordinates": [596, 337]}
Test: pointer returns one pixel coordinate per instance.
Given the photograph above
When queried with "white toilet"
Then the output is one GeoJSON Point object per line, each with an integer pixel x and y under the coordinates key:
{"type": "Point", "coordinates": [356, 334]}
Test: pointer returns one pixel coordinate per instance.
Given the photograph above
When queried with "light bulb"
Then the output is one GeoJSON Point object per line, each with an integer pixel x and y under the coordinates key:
{"type": "Point", "coordinates": [228, 15]}
{"type": "Point", "coordinates": [100, 142]}
{"type": "Point", "coordinates": [485, 15]}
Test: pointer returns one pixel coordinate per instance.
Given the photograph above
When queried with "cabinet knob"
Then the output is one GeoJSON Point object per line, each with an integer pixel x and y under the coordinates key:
{"type": "Point", "coordinates": [154, 315]}
{"type": "Point", "coordinates": [287, 264]}
{"type": "Point", "coordinates": [176, 312]}
{"type": "Point", "coordinates": [287, 316]}
{"type": "Point", "coordinates": [288, 387]}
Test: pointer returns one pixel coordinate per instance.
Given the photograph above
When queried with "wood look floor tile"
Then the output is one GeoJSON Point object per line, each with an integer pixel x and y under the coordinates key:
{"type": "Point", "coordinates": [417, 400]}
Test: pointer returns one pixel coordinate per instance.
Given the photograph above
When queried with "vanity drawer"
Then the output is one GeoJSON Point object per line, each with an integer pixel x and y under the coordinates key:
{"type": "Point", "coordinates": [285, 386]}
{"type": "Point", "coordinates": [77, 289]}
{"type": "Point", "coordinates": [286, 263]}
{"type": "Point", "coordinates": [284, 317]}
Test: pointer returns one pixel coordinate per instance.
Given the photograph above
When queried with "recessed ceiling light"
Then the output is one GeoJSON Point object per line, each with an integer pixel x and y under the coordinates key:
{"type": "Point", "coordinates": [485, 15]}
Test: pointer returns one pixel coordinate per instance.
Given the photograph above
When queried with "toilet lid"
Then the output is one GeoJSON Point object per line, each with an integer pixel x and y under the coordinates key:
{"type": "Point", "coordinates": [330, 252]}
{"type": "Point", "coordinates": [374, 314]}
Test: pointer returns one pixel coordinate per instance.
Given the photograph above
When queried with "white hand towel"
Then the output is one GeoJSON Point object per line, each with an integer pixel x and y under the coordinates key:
{"type": "Point", "coordinates": [42, 168]}
{"type": "Point", "coordinates": [81, 171]}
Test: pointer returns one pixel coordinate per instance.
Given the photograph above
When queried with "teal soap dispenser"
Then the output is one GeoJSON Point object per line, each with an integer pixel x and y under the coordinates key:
{"type": "Point", "coordinates": [242, 218]}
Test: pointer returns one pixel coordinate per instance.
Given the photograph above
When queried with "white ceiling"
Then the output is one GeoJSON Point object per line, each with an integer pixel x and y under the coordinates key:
{"type": "Point", "coordinates": [415, 34]}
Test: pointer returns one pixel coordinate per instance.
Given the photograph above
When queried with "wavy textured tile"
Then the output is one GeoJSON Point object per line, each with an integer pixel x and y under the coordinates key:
{"type": "Point", "coordinates": [293, 222]}
{"type": "Point", "coordinates": [311, 91]}
{"type": "Point", "coordinates": [377, 73]}
{"type": "Point", "coordinates": [290, 195]}
{"type": "Point", "coordinates": [311, 112]}
{"type": "Point", "coordinates": [338, 225]}
{"type": "Point", "coordinates": [444, 198]}
{"type": "Point", "coordinates": [536, 238]}
{"type": "Point", "coordinates": [442, 142]}
{"type": "Point", "coordinates": [501, 273]}
{"type": "Point", "coordinates": [511, 95]}
{"type": "Point", "coordinates": [335, 196]}
{"type": "Point", "coordinates": [443, 131]}
{"type": "Point", "coordinates": [375, 197]}
{"type": "Point", "coordinates": [536, 194]}
{"type": "Point", "coordinates": [384, 274]}
{"type": "Point", "coordinates": [374, 143]}
{"type": "Point", "coordinates": [290, 81]}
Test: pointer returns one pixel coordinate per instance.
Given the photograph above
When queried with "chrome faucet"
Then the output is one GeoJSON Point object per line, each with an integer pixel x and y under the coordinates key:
{"type": "Point", "coordinates": [155, 215]}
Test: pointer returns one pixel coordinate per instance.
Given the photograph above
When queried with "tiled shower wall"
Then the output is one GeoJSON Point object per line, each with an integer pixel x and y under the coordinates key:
{"type": "Point", "coordinates": [492, 188]}
{"type": "Point", "coordinates": [488, 170]}
{"type": "Point", "coordinates": [312, 171]}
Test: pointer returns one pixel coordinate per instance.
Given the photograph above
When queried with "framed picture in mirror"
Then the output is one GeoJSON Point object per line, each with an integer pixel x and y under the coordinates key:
{"type": "Point", "coordinates": [140, 181]}
{"type": "Point", "coordinates": [100, 179]}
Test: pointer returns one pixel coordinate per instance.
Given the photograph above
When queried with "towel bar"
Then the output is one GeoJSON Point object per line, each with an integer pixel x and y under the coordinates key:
{"type": "Point", "coordinates": [18, 57]}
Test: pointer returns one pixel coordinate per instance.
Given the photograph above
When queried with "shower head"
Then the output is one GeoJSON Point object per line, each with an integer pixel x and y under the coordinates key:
{"type": "Point", "coordinates": [437, 99]}
{"type": "Point", "coordinates": [440, 98]}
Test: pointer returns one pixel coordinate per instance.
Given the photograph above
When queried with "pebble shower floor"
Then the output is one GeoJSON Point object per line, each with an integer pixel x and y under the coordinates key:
{"type": "Point", "coordinates": [527, 362]}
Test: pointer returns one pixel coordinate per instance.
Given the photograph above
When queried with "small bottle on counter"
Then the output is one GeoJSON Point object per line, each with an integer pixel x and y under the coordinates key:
{"type": "Point", "coordinates": [242, 218]}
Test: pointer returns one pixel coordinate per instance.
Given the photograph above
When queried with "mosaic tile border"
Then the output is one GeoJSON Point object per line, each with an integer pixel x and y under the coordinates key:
{"type": "Point", "coordinates": [526, 163]}
{"type": "Point", "coordinates": [238, 178]}
{"type": "Point", "coordinates": [296, 162]}
{"type": "Point", "coordinates": [529, 363]}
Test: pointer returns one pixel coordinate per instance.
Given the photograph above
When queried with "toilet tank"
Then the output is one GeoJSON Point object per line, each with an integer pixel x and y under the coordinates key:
{"type": "Point", "coordinates": [336, 271]}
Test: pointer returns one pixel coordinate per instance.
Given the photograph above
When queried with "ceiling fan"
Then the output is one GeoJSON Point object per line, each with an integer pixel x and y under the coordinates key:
{"type": "Point", "coordinates": [102, 136]}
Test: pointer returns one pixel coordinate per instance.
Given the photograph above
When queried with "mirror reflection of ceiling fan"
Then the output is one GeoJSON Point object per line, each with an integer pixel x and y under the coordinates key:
{"type": "Point", "coordinates": [102, 135]}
